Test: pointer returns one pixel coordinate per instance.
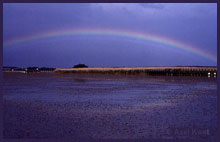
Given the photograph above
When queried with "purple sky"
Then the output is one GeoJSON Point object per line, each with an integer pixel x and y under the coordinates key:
{"type": "Point", "coordinates": [193, 24]}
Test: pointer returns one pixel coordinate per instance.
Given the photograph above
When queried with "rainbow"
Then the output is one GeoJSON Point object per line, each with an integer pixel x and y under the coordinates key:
{"type": "Point", "coordinates": [110, 32]}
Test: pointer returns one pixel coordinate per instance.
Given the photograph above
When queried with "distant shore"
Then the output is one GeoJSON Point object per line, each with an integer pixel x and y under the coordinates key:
{"type": "Point", "coordinates": [169, 71]}
{"type": "Point", "coordinates": [165, 71]}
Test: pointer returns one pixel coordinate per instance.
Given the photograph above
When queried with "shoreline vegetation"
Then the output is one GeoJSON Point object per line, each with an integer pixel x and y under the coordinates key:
{"type": "Point", "coordinates": [210, 71]}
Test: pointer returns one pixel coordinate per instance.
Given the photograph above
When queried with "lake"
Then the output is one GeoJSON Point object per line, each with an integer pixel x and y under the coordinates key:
{"type": "Point", "coordinates": [59, 105]}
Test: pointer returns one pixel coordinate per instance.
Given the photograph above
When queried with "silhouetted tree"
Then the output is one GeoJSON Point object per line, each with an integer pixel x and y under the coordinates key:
{"type": "Point", "coordinates": [80, 66]}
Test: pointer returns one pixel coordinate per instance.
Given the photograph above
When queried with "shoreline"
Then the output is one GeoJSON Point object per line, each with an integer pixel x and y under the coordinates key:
{"type": "Point", "coordinates": [165, 71]}
{"type": "Point", "coordinates": [149, 71]}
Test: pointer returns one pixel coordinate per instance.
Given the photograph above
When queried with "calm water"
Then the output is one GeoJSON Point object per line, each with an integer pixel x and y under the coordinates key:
{"type": "Point", "coordinates": [49, 105]}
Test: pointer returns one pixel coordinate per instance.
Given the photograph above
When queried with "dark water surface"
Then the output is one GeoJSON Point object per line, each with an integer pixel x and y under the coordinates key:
{"type": "Point", "coordinates": [50, 105]}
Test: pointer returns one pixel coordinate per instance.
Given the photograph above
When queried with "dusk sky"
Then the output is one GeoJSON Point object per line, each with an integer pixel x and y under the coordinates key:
{"type": "Point", "coordinates": [109, 35]}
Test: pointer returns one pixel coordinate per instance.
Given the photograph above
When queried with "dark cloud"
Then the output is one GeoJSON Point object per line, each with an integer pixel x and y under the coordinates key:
{"type": "Point", "coordinates": [152, 5]}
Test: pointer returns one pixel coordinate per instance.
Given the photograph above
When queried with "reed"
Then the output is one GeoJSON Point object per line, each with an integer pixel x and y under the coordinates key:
{"type": "Point", "coordinates": [167, 71]}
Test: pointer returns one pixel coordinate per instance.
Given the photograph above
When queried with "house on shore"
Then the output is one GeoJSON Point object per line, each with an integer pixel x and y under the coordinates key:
{"type": "Point", "coordinates": [13, 69]}
{"type": "Point", "coordinates": [32, 69]}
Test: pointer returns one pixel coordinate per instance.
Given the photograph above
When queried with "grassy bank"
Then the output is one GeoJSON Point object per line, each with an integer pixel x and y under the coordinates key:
{"type": "Point", "coordinates": [172, 71]}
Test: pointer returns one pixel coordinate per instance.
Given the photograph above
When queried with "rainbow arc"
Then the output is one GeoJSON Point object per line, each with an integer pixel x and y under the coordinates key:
{"type": "Point", "coordinates": [110, 32]}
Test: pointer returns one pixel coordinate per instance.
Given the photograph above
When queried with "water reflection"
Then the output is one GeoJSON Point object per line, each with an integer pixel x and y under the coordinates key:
{"type": "Point", "coordinates": [98, 104]}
